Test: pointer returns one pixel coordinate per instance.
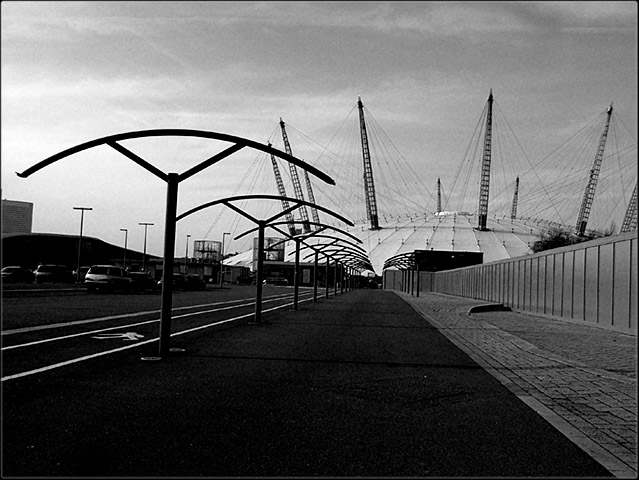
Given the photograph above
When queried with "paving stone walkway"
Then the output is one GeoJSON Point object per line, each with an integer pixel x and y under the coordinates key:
{"type": "Point", "coordinates": [581, 379]}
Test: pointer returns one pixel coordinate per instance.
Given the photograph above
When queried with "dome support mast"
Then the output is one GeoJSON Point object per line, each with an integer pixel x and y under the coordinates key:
{"type": "Point", "coordinates": [630, 219]}
{"type": "Point", "coordinates": [369, 185]}
{"type": "Point", "coordinates": [513, 211]}
{"type": "Point", "coordinates": [282, 191]}
{"type": "Point", "coordinates": [589, 192]}
{"type": "Point", "coordinates": [485, 167]}
{"type": "Point", "coordinates": [296, 181]}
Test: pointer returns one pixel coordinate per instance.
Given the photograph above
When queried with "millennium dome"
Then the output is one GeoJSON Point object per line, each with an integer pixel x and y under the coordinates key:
{"type": "Point", "coordinates": [488, 213]}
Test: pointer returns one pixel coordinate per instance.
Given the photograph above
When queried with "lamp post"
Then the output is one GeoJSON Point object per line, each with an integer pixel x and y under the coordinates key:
{"type": "Point", "coordinates": [186, 255]}
{"type": "Point", "coordinates": [144, 256]}
{"type": "Point", "coordinates": [82, 209]}
{"type": "Point", "coordinates": [126, 236]}
{"type": "Point", "coordinates": [222, 260]}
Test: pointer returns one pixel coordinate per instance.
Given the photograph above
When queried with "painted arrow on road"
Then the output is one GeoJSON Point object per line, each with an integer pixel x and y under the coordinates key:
{"type": "Point", "coordinates": [128, 336]}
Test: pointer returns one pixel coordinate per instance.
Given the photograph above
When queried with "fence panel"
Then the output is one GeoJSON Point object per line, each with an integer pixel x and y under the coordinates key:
{"type": "Point", "coordinates": [578, 284]}
{"type": "Point", "coordinates": [591, 290]}
{"type": "Point", "coordinates": [606, 283]}
{"type": "Point", "coordinates": [558, 282]}
{"type": "Point", "coordinates": [594, 282]}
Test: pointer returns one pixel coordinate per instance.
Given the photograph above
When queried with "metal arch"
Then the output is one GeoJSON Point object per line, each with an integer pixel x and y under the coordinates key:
{"type": "Point", "coordinates": [358, 247]}
{"type": "Point", "coordinates": [354, 260]}
{"type": "Point", "coordinates": [310, 223]}
{"type": "Point", "coordinates": [354, 255]}
{"type": "Point", "coordinates": [267, 197]}
{"type": "Point", "coordinates": [262, 225]}
{"type": "Point", "coordinates": [172, 181]}
{"type": "Point", "coordinates": [401, 261]}
{"type": "Point", "coordinates": [334, 246]}
{"type": "Point", "coordinates": [319, 248]}
{"type": "Point", "coordinates": [341, 252]}
{"type": "Point", "coordinates": [329, 247]}
{"type": "Point", "coordinates": [180, 132]}
{"type": "Point", "coordinates": [351, 245]}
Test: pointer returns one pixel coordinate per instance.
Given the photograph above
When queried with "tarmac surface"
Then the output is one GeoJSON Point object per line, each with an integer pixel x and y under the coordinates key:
{"type": "Point", "coordinates": [367, 383]}
{"type": "Point", "coordinates": [582, 379]}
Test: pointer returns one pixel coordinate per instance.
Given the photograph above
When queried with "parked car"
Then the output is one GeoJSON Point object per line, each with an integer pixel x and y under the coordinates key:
{"type": "Point", "coordinates": [83, 273]}
{"type": "Point", "coordinates": [15, 274]}
{"type": "Point", "coordinates": [53, 274]}
{"type": "Point", "coordinates": [143, 282]}
{"type": "Point", "coordinates": [107, 278]}
{"type": "Point", "coordinates": [194, 282]}
{"type": "Point", "coordinates": [187, 282]}
{"type": "Point", "coordinates": [245, 280]}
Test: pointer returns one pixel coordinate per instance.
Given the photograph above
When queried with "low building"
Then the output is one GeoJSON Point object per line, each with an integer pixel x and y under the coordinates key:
{"type": "Point", "coordinates": [17, 217]}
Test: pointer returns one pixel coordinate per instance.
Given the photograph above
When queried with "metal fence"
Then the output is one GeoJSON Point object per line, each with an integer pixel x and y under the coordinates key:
{"type": "Point", "coordinates": [594, 282]}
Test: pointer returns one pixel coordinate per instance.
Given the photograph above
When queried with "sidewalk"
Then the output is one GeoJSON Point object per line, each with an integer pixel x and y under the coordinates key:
{"type": "Point", "coordinates": [581, 379]}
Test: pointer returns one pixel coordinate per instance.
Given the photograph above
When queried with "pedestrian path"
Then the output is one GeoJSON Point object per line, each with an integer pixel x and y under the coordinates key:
{"type": "Point", "coordinates": [581, 379]}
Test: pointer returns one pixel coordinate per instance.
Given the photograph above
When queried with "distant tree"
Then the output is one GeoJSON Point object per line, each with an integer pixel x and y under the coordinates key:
{"type": "Point", "coordinates": [555, 237]}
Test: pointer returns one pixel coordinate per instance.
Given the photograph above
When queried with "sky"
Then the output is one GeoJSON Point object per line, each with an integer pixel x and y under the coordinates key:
{"type": "Point", "coordinates": [77, 71]}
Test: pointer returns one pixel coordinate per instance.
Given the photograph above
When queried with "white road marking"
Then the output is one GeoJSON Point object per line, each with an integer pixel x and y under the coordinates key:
{"type": "Point", "coordinates": [127, 336]}
{"type": "Point", "coordinates": [137, 344]}
{"type": "Point", "coordinates": [124, 315]}
{"type": "Point", "coordinates": [64, 337]}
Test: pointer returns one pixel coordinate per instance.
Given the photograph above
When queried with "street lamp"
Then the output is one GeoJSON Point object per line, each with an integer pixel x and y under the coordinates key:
{"type": "Point", "coordinates": [144, 257]}
{"type": "Point", "coordinates": [186, 256]}
{"type": "Point", "coordinates": [82, 209]}
{"type": "Point", "coordinates": [126, 236]}
{"type": "Point", "coordinates": [222, 260]}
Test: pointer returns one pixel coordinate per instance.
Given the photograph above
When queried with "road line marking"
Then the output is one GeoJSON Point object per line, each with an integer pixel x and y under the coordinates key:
{"type": "Point", "coordinates": [124, 315]}
{"type": "Point", "coordinates": [64, 337]}
{"type": "Point", "coordinates": [95, 355]}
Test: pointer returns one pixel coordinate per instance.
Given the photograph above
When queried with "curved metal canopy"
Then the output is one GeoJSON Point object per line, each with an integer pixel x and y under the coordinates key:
{"type": "Point", "coordinates": [402, 261]}
{"type": "Point", "coordinates": [324, 227]}
{"type": "Point", "coordinates": [225, 201]}
{"type": "Point", "coordinates": [180, 132]}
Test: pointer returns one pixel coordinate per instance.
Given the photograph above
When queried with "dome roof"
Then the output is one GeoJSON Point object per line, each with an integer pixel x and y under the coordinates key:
{"type": "Point", "coordinates": [446, 231]}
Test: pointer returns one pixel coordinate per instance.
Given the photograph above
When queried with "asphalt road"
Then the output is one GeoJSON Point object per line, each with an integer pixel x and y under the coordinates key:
{"type": "Point", "coordinates": [356, 385]}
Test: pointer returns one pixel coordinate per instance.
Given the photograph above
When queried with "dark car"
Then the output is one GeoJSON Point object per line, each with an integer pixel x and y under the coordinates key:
{"type": "Point", "coordinates": [83, 273]}
{"type": "Point", "coordinates": [187, 282]}
{"type": "Point", "coordinates": [15, 274]}
{"type": "Point", "coordinates": [194, 282]}
{"type": "Point", "coordinates": [53, 274]}
{"type": "Point", "coordinates": [143, 282]}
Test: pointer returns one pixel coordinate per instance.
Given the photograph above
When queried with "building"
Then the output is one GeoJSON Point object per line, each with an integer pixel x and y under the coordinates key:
{"type": "Point", "coordinates": [17, 217]}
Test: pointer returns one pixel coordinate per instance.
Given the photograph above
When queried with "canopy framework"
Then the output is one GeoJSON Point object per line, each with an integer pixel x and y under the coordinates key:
{"type": "Point", "coordinates": [172, 181]}
{"type": "Point", "coordinates": [261, 227]}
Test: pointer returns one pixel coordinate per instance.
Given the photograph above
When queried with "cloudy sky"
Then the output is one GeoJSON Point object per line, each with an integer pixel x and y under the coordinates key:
{"type": "Point", "coordinates": [77, 71]}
